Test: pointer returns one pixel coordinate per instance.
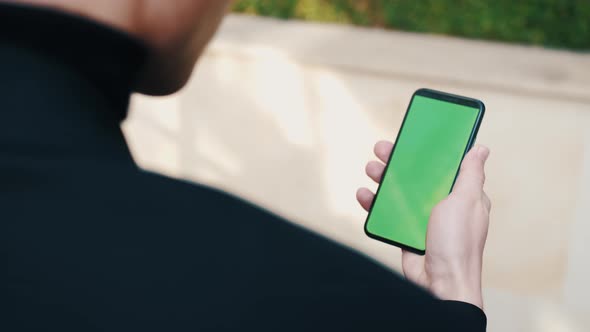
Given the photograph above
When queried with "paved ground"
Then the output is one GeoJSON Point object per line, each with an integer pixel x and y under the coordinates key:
{"type": "Point", "coordinates": [285, 114]}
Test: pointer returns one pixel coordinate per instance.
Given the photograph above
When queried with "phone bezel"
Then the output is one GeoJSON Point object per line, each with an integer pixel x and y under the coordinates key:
{"type": "Point", "coordinates": [429, 93]}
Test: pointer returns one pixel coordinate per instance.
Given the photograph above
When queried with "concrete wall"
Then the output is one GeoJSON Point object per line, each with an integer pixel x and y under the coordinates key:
{"type": "Point", "coordinates": [286, 113]}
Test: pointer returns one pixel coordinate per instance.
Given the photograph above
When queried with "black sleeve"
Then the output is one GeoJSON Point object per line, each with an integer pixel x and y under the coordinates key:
{"type": "Point", "coordinates": [461, 316]}
{"type": "Point", "coordinates": [289, 279]}
{"type": "Point", "coordinates": [158, 255]}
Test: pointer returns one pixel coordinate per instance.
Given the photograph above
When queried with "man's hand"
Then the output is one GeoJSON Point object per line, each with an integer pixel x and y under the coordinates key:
{"type": "Point", "coordinates": [457, 231]}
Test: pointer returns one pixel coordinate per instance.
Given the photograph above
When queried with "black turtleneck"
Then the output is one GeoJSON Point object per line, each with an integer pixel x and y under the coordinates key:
{"type": "Point", "coordinates": [65, 83]}
{"type": "Point", "coordinates": [88, 242]}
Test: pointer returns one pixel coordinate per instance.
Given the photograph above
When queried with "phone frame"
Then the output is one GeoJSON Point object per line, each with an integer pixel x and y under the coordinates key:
{"type": "Point", "coordinates": [428, 93]}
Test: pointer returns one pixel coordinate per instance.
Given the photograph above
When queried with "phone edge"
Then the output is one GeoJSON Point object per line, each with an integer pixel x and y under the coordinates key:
{"type": "Point", "coordinates": [470, 143]}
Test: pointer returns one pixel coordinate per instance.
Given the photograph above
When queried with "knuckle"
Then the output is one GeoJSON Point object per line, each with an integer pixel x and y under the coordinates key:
{"type": "Point", "coordinates": [487, 202]}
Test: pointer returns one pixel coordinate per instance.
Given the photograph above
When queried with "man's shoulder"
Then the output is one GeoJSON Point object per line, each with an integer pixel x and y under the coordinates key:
{"type": "Point", "coordinates": [180, 195]}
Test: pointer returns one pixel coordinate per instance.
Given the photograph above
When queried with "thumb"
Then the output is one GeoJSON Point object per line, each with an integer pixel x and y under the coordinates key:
{"type": "Point", "coordinates": [472, 175]}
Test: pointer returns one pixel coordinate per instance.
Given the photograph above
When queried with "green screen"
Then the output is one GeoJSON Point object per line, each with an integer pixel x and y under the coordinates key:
{"type": "Point", "coordinates": [421, 171]}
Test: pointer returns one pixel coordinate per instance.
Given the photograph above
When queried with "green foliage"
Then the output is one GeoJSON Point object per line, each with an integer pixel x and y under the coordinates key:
{"type": "Point", "coordinates": [552, 23]}
{"type": "Point", "coordinates": [281, 9]}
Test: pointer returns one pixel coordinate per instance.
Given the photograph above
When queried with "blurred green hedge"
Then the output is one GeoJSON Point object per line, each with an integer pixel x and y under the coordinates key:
{"type": "Point", "coordinates": [551, 23]}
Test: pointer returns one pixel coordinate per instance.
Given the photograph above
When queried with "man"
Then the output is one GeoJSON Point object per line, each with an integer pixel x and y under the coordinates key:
{"type": "Point", "coordinates": [88, 242]}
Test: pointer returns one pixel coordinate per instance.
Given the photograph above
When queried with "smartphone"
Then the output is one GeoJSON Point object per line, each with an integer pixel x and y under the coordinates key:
{"type": "Point", "coordinates": [436, 133]}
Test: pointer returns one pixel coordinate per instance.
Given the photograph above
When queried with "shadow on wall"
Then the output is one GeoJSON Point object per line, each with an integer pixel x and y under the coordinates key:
{"type": "Point", "coordinates": [272, 140]}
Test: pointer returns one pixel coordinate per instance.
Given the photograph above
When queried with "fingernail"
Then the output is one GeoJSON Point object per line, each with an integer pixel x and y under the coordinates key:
{"type": "Point", "coordinates": [483, 152]}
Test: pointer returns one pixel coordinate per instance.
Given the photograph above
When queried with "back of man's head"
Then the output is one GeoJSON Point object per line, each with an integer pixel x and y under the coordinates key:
{"type": "Point", "coordinates": [176, 31]}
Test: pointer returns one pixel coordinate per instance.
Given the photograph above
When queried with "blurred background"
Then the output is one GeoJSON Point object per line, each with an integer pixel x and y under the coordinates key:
{"type": "Point", "coordinates": [288, 100]}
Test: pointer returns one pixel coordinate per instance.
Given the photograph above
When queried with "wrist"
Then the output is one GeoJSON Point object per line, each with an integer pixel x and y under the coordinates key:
{"type": "Point", "coordinates": [458, 287]}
